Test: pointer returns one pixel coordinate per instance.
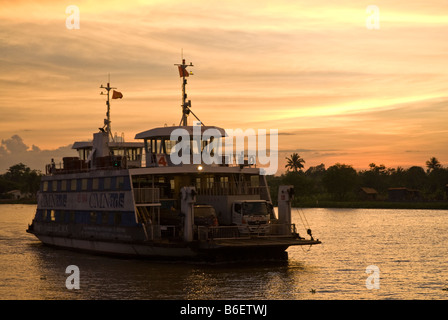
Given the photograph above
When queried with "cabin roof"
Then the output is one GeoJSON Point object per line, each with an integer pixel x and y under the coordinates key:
{"type": "Point", "coordinates": [166, 131]}
{"type": "Point", "coordinates": [89, 145]}
{"type": "Point", "coordinates": [82, 145]}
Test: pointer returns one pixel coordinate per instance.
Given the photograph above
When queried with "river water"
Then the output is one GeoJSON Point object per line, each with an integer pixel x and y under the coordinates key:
{"type": "Point", "coordinates": [409, 249]}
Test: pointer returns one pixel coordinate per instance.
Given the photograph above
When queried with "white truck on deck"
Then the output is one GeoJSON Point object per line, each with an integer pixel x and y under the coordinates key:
{"type": "Point", "coordinates": [252, 215]}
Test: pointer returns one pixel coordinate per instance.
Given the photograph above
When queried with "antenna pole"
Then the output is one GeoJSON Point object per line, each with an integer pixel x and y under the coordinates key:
{"type": "Point", "coordinates": [184, 96]}
{"type": "Point", "coordinates": [185, 104]}
{"type": "Point", "coordinates": [107, 127]}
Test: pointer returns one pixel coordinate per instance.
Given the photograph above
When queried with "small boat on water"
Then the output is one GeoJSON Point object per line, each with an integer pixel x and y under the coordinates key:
{"type": "Point", "coordinates": [137, 199]}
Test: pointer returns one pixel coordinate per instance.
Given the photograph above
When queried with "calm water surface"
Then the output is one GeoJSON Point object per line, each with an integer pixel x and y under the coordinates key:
{"type": "Point", "coordinates": [410, 248]}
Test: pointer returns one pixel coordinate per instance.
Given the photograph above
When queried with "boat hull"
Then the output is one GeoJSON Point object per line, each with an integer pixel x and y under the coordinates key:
{"type": "Point", "coordinates": [211, 251]}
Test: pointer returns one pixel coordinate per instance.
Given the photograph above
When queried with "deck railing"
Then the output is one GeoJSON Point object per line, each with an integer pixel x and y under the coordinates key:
{"type": "Point", "coordinates": [241, 232]}
{"type": "Point", "coordinates": [224, 232]}
{"type": "Point", "coordinates": [227, 188]}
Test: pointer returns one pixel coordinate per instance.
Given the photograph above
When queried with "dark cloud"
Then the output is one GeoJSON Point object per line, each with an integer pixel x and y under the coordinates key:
{"type": "Point", "coordinates": [14, 145]}
{"type": "Point", "coordinates": [14, 150]}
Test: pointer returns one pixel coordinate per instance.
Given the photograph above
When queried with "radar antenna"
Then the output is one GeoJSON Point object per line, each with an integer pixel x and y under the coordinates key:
{"type": "Point", "coordinates": [186, 105]}
{"type": "Point", "coordinates": [107, 127]}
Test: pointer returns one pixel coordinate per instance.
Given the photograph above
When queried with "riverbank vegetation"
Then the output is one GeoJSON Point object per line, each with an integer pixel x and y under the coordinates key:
{"type": "Point", "coordinates": [340, 185]}
{"type": "Point", "coordinates": [19, 184]}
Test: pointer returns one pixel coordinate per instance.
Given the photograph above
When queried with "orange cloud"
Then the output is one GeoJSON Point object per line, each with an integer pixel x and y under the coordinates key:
{"type": "Point", "coordinates": [308, 67]}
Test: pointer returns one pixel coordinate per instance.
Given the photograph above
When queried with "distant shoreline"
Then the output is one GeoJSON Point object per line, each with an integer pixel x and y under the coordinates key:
{"type": "Point", "coordinates": [438, 205]}
{"type": "Point", "coordinates": [18, 201]}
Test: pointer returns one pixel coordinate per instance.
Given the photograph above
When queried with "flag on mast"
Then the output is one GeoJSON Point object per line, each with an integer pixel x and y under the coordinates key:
{"type": "Point", "coordinates": [183, 71]}
{"type": "Point", "coordinates": [116, 95]}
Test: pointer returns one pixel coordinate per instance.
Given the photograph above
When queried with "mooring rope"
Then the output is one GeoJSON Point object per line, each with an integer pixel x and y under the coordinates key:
{"type": "Point", "coordinates": [307, 227]}
{"type": "Point", "coordinates": [305, 223]}
{"type": "Point", "coordinates": [303, 218]}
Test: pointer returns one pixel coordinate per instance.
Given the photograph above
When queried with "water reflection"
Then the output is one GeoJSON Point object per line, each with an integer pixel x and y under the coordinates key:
{"type": "Point", "coordinates": [112, 278]}
{"type": "Point", "coordinates": [408, 246]}
{"type": "Point", "coordinates": [246, 281]}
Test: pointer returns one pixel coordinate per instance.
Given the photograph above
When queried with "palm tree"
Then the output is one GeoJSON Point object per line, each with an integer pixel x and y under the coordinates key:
{"type": "Point", "coordinates": [294, 162]}
{"type": "Point", "coordinates": [433, 164]}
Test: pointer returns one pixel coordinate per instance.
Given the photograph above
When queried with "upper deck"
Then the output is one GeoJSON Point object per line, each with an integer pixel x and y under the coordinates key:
{"type": "Point", "coordinates": [174, 148]}
{"type": "Point", "coordinates": [161, 148]}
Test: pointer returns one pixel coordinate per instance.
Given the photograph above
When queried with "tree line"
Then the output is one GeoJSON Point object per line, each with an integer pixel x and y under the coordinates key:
{"type": "Point", "coordinates": [341, 182]}
{"type": "Point", "coordinates": [20, 177]}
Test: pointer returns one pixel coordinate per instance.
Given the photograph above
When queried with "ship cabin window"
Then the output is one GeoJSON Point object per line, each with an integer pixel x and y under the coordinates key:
{"type": "Point", "coordinates": [84, 184]}
{"type": "Point", "coordinates": [164, 185]}
{"type": "Point", "coordinates": [224, 182]}
{"type": "Point", "coordinates": [45, 186]}
{"type": "Point", "coordinates": [104, 218]}
{"type": "Point", "coordinates": [159, 145]}
{"type": "Point", "coordinates": [52, 215]}
{"type": "Point", "coordinates": [63, 185]}
{"type": "Point", "coordinates": [133, 154]}
{"type": "Point", "coordinates": [237, 208]}
{"type": "Point", "coordinates": [118, 152]}
{"type": "Point", "coordinates": [209, 147]}
{"type": "Point", "coordinates": [117, 218]}
{"type": "Point", "coordinates": [163, 145]}
{"type": "Point", "coordinates": [169, 145]}
{"type": "Point", "coordinates": [194, 147]}
{"type": "Point", "coordinates": [73, 185]}
{"type": "Point", "coordinates": [154, 144]}
{"type": "Point", "coordinates": [54, 185]}
{"type": "Point", "coordinates": [95, 184]}
{"type": "Point", "coordinates": [93, 216]}
{"type": "Point", "coordinates": [72, 216]}
{"type": "Point", "coordinates": [150, 145]}
{"type": "Point", "coordinates": [84, 153]}
{"type": "Point", "coordinates": [210, 182]}
{"type": "Point", "coordinates": [254, 181]}
{"type": "Point", "coordinates": [119, 183]}
{"type": "Point", "coordinates": [107, 183]}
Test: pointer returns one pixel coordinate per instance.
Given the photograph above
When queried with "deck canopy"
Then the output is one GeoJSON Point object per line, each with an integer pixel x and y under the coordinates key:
{"type": "Point", "coordinates": [89, 144]}
{"type": "Point", "coordinates": [130, 151]}
{"type": "Point", "coordinates": [165, 132]}
{"type": "Point", "coordinates": [160, 141]}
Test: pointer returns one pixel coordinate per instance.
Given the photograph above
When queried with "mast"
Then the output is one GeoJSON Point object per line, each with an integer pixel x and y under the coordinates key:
{"type": "Point", "coordinates": [183, 73]}
{"type": "Point", "coordinates": [107, 127]}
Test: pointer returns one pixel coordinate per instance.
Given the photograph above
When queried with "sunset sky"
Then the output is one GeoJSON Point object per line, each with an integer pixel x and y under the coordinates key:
{"type": "Point", "coordinates": [336, 90]}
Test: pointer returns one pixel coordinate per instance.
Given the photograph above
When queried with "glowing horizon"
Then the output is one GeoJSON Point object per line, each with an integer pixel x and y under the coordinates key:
{"type": "Point", "coordinates": [336, 91]}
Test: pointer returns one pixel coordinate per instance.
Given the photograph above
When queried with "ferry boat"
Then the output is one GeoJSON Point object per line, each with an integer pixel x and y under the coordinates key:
{"type": "Point", "coordinates": [131, 199]}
